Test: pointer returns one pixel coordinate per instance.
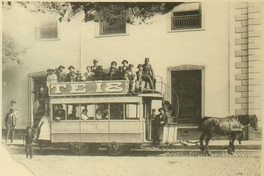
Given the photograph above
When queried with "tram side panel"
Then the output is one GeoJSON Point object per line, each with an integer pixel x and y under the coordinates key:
{"type": "Point", "coordinates": [96, 131]}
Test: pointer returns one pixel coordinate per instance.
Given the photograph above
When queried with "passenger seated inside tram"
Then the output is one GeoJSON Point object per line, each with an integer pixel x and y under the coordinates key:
{"type": "Point", "coordinates": [72, 116]}
{"type": "Point", "coordinates": [84, 115]}
{"type": "Point", "coordinates": [99, 114]}
{"type": "Point", "coordinates": [60, 113]}
{"type": "Point", "coordinates": [100, 74]}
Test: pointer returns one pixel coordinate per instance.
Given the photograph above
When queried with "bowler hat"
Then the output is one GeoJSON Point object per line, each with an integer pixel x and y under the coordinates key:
{"type": "Point", "coordinates": [50, 69]}
{"type": "Point", "coordinates": [78, 72]}
{"type": "Point", "coordinates": [61, 66]}
{"type": "Point", "coordinates": [146, 59]}
{"type": "Point", "coordinates": [71, 67]}
{"type": "Point", "coordinates": [113, 62]}
{"type": "Point", "coordinates": [124, 61]}
{"type": "Point", "coordinates": [131, 65]}
{"type": "Point", "coordinates": [12, 110]}
{"type": "Point", "coordinates": [161, 109]}
{"type": "Point", "coordinates": [95, 60]}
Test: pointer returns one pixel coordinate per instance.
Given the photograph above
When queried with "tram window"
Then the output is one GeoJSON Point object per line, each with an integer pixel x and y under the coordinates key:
{"type": "Point", "coordinates": [101, 111]}
{"type": "Point", "coordinates": [116, 111]}
{"type": "Point", "coordinates": [90, 110]}
{"type": "Point", "coordinates": [131, 112]}
{"type": "Point", "coordinates": [59, 111]}
{"type": "Point", "coordinates": [73, 112]}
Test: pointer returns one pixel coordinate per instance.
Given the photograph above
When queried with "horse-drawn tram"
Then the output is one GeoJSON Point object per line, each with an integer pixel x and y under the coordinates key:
{"type": "Point", "coordinates": [93, 114]}
{"type": "Point", "coordinates": [88, 115]}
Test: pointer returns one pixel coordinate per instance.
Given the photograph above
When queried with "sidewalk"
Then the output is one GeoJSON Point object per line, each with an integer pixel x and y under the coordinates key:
{"type": "Point", "coordinates": [214, 144]}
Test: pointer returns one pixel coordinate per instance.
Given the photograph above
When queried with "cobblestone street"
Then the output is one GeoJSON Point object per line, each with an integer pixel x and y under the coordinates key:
{"type": "Point", "coordinates": [154, 162]}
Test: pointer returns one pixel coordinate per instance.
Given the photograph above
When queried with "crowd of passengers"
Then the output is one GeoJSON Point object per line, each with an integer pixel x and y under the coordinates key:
{"type": "Point", "coordinates": [142, 78]}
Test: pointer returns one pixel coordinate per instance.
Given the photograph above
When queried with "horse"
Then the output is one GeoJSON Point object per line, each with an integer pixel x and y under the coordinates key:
{"type": "Point", "coordinates": [231, 125]}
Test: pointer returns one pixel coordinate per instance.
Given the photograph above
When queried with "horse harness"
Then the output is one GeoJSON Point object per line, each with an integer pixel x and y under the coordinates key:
{"type": "Point", "coordinates": [232, 119]}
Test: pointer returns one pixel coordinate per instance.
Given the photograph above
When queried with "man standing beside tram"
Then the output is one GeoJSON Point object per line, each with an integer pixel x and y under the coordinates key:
{"type": "Point", "coordinates": [158, 124]}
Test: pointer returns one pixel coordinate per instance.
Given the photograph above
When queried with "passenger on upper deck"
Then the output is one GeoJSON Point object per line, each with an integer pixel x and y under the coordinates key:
{"type": "Point", "coordinates": [89, 75]}
{"type": "Point", "coordinates": [111, 75]}
{"type": "Point", "coordinates": [51, 77]}
{"type": "Point", "coordinates": [139, 81]}
{"type": "Point", "coordinates": [84, 114]}
{"type": "Point", "coordinates": [113, 64]}
{"type": "Point", "coordinates": [130, 76]}
{"type": "Point", "coordinates": [120, 75]}
{"type": "Point", "coordinates": [95, 66]}
{"type": "Point", "coordinates": [78, 77]}
{"type": "Point", "coordinates": [148, 74]}
{"type": "Point", "coordinates": [71, 75]}
{"type": "Point", "coordinates": [125, 64]}
{"type": "Point", "coordinates": [59, 73]}
{"type": "Point", "coordinates": [100, 74]}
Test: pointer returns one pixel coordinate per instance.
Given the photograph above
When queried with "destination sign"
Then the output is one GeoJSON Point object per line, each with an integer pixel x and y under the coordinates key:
{"type": "Point", "coordinates": [87, 88]}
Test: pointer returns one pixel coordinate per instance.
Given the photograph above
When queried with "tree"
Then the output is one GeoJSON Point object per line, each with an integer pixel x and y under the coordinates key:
{"type": "Point", "coordinates": [109, 12]}
{"type": "Point", "coordinates": [11, 49]}
{"type": "Point", "coordinates": [104, 11]}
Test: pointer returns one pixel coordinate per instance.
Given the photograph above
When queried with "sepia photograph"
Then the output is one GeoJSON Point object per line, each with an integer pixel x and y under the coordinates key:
{"type": "Point", "coordinates": [133, 88]}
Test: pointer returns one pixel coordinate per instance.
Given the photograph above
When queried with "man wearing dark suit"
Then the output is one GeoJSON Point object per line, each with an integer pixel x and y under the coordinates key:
{"type": "Point", "coordinates": [59, 73]}
{"type": "Point", "coordinates": [94, 67]}
{"type": "Point", "coordinates": [71, 75]}
{"type": "Point", "coordinates": [10, 122]}
{"type": "Point", "coordinates": [112, 74]}
{"type": "Point", "coordinates": [158, 124]}
{"type": "Point", "coordinates": [148, 74]}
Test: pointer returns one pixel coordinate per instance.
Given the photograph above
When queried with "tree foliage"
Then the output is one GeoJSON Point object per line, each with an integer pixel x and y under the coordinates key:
{"type": "Point", "coordinates": [104, 11]}
{"type": "Point", "coordinates": [110, 12]}
{"type": "Point", "coordinates": [11, 49]}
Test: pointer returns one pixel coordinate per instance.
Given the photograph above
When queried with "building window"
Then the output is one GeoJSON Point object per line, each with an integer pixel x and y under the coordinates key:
{"type": "Point", "coordinates": [186, 16]}
{"type": "Point", "coordinates": [46, 29]}
{"type": "Point", "coordinates": [118, 27]}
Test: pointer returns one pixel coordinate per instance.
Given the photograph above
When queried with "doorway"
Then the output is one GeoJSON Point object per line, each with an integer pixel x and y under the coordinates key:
{"type": "Point", "coordinates": [187, 84]}
{"type": "Point", "coordinates": [38, 96]}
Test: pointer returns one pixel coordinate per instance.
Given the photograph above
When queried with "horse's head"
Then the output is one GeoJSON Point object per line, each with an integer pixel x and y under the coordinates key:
{"type": "Point", "coordinates": [254, 122]}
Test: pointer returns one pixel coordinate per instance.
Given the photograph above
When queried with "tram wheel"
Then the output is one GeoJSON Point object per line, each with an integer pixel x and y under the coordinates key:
{"type": "Point", "coordinates": [78, 148]}
{"type": "Point", "coordinates": [115, 149]}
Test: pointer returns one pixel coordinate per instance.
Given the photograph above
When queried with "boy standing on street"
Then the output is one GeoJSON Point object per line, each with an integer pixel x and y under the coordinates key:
{"type": "Point", "coordinates": [28, 142]}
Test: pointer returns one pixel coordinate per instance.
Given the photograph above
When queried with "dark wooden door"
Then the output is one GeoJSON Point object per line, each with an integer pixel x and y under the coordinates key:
{"type": "Point", "coordinates": [188, 86]}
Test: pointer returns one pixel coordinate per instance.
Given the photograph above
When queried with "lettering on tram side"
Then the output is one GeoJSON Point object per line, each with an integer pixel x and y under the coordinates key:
{"type": "Point", "coordinates": [94, 126]}
{"type": "Point", "coordinates": [87, 88]}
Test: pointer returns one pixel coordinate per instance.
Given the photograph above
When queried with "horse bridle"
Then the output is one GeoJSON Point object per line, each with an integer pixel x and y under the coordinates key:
{"type": "Point", "coordinates": [250, 121]}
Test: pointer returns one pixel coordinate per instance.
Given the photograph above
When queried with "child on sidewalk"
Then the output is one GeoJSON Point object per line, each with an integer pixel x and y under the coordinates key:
{"type": "Point", "coordinates": [28, 142]}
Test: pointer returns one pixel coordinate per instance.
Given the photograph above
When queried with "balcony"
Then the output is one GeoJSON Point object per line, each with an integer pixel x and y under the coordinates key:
{"type": "Point", "coordinates": [186, 22]}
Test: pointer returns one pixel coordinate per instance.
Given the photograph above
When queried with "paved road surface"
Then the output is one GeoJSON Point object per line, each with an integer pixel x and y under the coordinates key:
{"type": "Point", "coordinates": [60, 162]}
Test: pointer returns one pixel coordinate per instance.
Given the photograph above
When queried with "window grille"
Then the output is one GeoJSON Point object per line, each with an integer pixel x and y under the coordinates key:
{"type": "Point", "coordinates": [116, 28]}
{"type": "Point", "coordinates": [46, 29]}
{"type": "Point", "coordinates": [186, 16]}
